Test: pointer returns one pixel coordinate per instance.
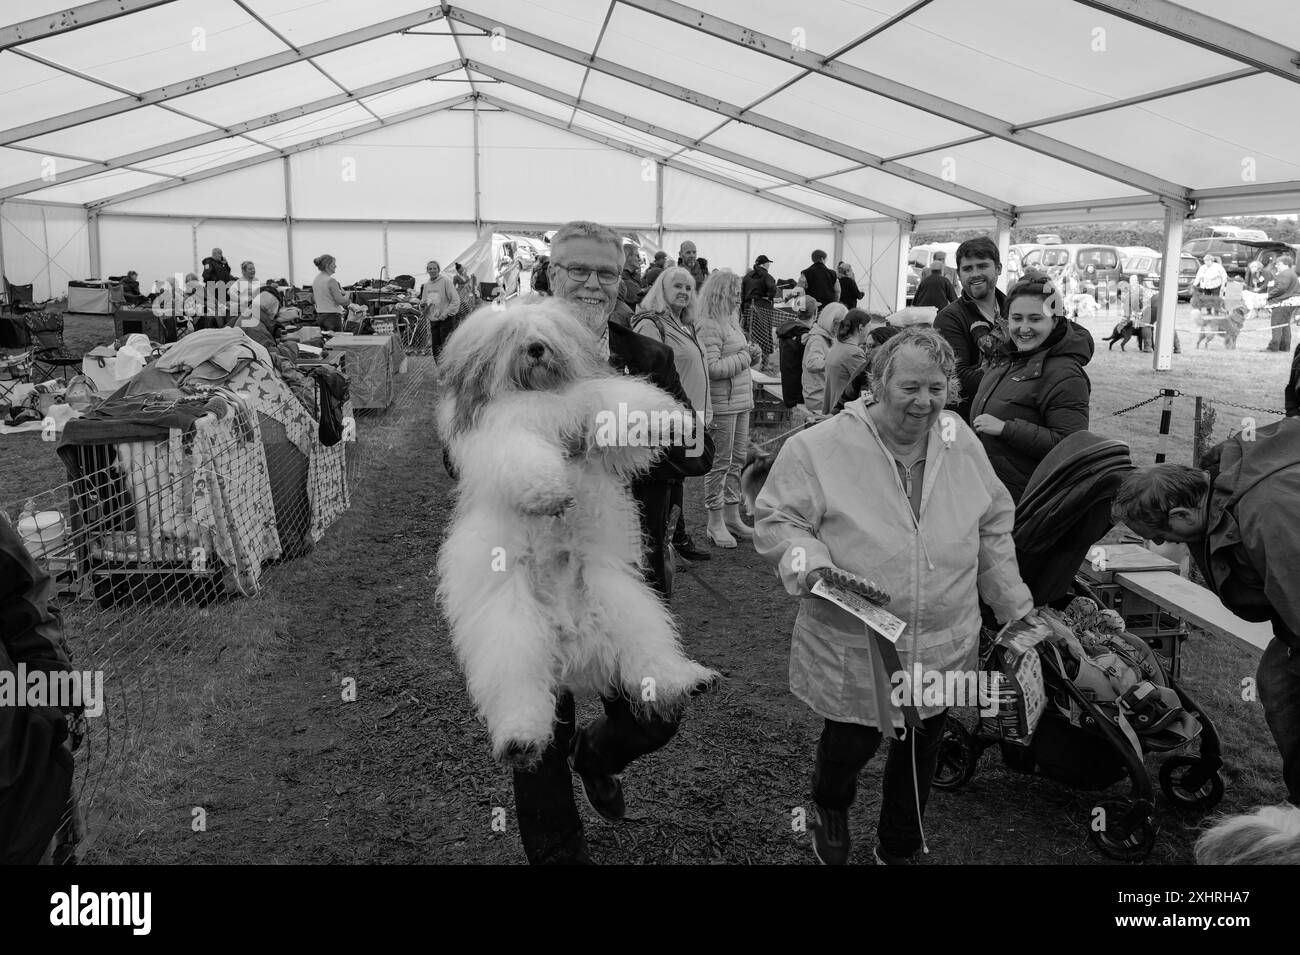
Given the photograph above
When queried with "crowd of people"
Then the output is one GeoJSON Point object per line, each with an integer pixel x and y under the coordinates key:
{"type": "Point", "coordinates": [884, 492]}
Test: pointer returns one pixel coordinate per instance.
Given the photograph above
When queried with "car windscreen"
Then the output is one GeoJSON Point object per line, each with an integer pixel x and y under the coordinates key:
{"type": "Point", "coordinates": [1101, 258]}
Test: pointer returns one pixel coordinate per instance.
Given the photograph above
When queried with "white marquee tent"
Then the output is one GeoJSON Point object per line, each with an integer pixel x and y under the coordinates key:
{"type": "Point", "coordinates": [140, 133]}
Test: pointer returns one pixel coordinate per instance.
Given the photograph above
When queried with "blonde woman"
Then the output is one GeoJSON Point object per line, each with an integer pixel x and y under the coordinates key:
{"type": "Point", "coordinates": [728, 358]}
{"type": "Point", "coordinates": [667, 314]}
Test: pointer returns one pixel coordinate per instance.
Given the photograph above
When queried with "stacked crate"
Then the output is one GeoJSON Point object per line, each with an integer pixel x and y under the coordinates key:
{"type": "Point", "coordinates": [1163, 632]}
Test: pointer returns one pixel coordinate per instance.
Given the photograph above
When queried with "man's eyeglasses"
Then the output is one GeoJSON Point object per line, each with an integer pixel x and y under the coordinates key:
{"type": "Point", "coordinates": [580, 273]}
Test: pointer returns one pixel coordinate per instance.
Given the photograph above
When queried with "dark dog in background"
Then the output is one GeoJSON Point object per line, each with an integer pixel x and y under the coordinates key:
{"type": "Point", "coordinates": [1124, 331]}
{"type": "Point", "coordinates": [1229, 326]}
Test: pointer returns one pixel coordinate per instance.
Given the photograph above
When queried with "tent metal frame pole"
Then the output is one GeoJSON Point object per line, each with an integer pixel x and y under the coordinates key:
{"type": "Point", "coordinates": [217, 78]}
{"type": "Point", "coordinates": [660, 168]}
{"type": "Point", "coordinates": [1175, 214]}
{"type": "Point", "coordinates": [65, 21]}
{"type": "Point", "coordinates": [92, 233]}
{"type": "Point", "coordinates": [727, 155]}
{"type": "Point", "coordinates": [95, 167]}
{"type": "Point", "coordinates": [837, 253]}
{"type": "Point", "coordinates": [4, 288]}
{"type": "Point", "coordinates": [1004, 226]}
{"type": "Point", "coordinates": [905, 230]}
{"type": "Point", "coordinates": [1208, 33]}
{"type": "Point", "coordinates": [646, 154]}
{"type": "Point", "coordinates": [732, 111]}
{"type": "Point", "coordinates": [288, 216]}
{"type": "Point", "coordinates": [909, 96]}
{"type": "Point", "coordinates": [394, 120]}
{"type": "Point", "coordinates": [478, 209]}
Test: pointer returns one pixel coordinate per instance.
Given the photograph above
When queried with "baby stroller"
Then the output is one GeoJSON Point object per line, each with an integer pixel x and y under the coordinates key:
{"type": "Point", "coordinates": [1090, 735]}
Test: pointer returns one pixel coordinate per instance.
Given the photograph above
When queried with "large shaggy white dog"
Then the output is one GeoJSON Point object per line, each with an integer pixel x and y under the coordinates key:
{"type": "Point", "coordinates": [539, 575]}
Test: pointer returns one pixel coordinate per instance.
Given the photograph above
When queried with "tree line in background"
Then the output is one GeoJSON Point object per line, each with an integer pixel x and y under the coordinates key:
{"type": "Point", "coordinates": [1148, 232]}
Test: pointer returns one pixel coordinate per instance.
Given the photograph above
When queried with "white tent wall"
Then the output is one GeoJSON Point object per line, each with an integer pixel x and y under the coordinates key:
{"type": "Point", "coordinates": [44, 246]}
{"type": "Point", "coordinates": [419, 169]}
{"type": "Point", "coordinates": [411, 245]}
{"type": "Point", "coordinates": [523, 163]}
{"type": "Point", "coordinates": [690, 200]}
{"type": "Point", "coordinates": [357, 246]}
{"type": "Point", "coordinates": [252, 191]}
{"type": "Point", "coordinates": [155, 248]}
{"type": "Point", "coordinates": [872, 249]}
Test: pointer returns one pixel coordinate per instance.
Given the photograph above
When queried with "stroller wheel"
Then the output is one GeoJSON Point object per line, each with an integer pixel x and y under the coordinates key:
{"type": "Point", "coordinates": [957, 756]}
{"type": "Point", "coordinates": [1178, 780]}
{"type": "Point", "coordinates": [1135, 846]}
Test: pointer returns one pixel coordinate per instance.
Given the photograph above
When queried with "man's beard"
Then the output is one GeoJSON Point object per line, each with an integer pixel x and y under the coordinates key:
{"type": "Point", "coordinates": [595, 317]}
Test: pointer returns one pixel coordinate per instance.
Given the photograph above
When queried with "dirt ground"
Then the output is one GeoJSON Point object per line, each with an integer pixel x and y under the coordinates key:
{"type": "Point", "coordinates": [403, 774]}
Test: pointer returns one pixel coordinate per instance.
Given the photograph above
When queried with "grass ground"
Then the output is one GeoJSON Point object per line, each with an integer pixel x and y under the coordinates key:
{"type": "Point", "coordinates": [238, 709]}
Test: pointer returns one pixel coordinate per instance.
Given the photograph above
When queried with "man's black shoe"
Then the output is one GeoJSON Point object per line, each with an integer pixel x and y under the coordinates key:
{"type": "Point", "coordinates": [604, 794]}
{"type": "Point", "coordinates": [686, 549]}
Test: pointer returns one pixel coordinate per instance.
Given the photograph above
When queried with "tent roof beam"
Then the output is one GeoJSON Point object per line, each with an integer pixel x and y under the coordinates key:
{"type": "Point", "coordinates": [775, 172]}
{"type": "Point", "coordinates": [253, 68]}
{"type": "Point", "coordinates": [394, 120]}
{"type": "Point", "coordinates": [907, 95]}
{"type": "Point", "coordinates": [1206, 32]}
{"type": "Point", "coordinates": [238, 129]}
{"type": "Point", "coordinates": [65, 21]}
{"type": "Point", "coordinates": [647, 154]}
{"type": "Point", "coordinates": [730, 110]}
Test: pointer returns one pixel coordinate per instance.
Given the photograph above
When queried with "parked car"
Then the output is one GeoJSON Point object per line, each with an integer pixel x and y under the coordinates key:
{"type": "Point", "coordinates": [1093, 263]}
{"type": "Point", "coordinates": [1266, 252]}
{"type": "Point", "coordinates": [1235, 254]}
{"type": "Point", "coordinates": [1128, 251]}
{"type": "Point", "coordinates": [1188, 266]}
{"type": "Point", "coordinates": [1014, 267]}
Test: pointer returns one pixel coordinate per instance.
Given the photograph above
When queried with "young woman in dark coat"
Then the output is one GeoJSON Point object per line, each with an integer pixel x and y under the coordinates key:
{"type": "Point", "coordinates": [1036, 391]}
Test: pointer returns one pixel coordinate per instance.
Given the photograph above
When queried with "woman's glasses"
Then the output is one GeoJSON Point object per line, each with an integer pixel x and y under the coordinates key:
{"type": "Point", "coordinates": [580, 273]}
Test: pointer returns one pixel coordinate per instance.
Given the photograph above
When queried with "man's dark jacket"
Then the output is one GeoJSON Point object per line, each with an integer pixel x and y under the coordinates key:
{"type": "Point", "coordinates": [216, 270]}
{"type": "Point", "coordinates": [1252, 544]}
{"type": "Point", "coordinates": [821, 283]}
{"type": "Point", "coordinates": [757, 285]}
{"type": "Point", "coordinates": [1291, 400]}
{"type": "Point", "coordinates": [934, 289]}
{"type": "Point", "coordinates": [963, 325]}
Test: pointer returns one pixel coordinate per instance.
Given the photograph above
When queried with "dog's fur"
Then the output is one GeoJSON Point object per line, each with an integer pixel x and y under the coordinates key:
{"type": "Point", "coordinates": [1269, 835]}
{"type": "Point", "coordinates": [1123, 333]}
{"type": "Point", "coordinates": [540, 574]}
{"type": "Point", "coordinates": [1211, 326]}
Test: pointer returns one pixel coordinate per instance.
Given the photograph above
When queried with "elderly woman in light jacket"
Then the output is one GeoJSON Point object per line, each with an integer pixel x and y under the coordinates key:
{"type": "Point", "coordinates": [728, 358]}
{"type": "Point", "coordinates": [934, 534]}
{"type": "Point", "coordinates": [817, 345]}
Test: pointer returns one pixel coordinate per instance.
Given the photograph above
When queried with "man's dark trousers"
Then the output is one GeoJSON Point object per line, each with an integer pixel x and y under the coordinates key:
{"type": "Point", "coordinates": [549, 824]}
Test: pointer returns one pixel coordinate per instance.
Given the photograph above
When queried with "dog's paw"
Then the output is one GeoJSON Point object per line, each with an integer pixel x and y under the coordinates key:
{"type": "Point", "coordinates": [706, 685]}
{"type": "Point", "coordinates": [523, 755]}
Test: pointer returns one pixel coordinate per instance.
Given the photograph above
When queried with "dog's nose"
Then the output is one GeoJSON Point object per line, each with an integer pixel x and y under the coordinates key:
{"type": "Point", "coordinates": [536, 350]}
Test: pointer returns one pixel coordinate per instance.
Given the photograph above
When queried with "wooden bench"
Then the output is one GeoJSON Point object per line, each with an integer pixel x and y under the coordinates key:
{"type": "Point", "coordinates": [1194, 604]}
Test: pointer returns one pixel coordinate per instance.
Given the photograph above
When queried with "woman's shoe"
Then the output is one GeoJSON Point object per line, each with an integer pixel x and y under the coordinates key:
{"type": "Point", "coordinates": [717, 531]}
{"type": "Point", "coordinates": [734, 523]}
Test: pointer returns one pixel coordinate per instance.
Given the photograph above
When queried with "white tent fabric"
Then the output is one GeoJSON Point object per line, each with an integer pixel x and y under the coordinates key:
{"type": "Point", "coordinates": [388, 131]}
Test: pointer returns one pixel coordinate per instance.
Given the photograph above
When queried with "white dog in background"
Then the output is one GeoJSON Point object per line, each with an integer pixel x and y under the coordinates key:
{"type": "Point", "coordinates": [540, 573]}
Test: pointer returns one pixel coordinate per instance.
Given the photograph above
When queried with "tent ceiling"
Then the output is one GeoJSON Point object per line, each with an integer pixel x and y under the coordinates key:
{"type": "Point", "coordinates": [830, 107]}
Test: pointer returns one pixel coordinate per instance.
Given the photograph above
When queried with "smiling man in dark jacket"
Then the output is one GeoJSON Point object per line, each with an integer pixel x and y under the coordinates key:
{"type": "Point", "coordinates": [966, 322]}
{"type": "Point", "coordinates": [585, 272]}
{"type": "Point", "coordinates": [1240, 519]}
